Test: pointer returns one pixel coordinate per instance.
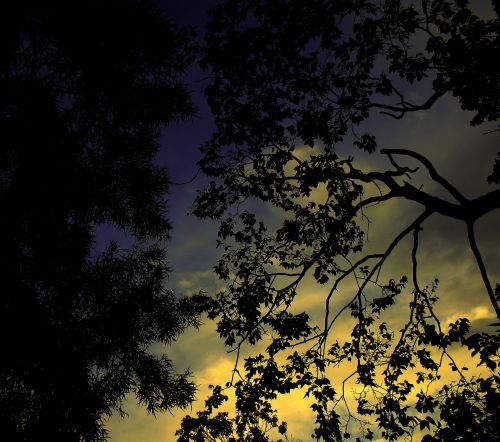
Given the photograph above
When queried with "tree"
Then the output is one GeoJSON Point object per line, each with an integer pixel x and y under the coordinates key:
{"type": "Point", "coordinates": [291, 81]}
{"type": "Point", "coordinates": [85, 89]}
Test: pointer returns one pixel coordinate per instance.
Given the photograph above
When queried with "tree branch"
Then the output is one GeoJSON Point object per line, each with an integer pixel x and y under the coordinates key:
{"type": "Point", "coordinates": [338, 281]}
{"type": "Point", "coordinates": [482, 267]}
{"type": "Point", "coordinates": [418, 221]}
{"type": "Point", "coordinates": [432, 171]}
{"type": "Point", "coordinates": [466, 210]}
{"type": "Point", "coordinates": [405, 107]}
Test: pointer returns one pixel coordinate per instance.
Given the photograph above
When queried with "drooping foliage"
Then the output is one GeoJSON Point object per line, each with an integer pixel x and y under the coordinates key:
{"type": "Point", "coordinates": [293, 80]}
{"type": "Point", "coordinates": [85, 88]}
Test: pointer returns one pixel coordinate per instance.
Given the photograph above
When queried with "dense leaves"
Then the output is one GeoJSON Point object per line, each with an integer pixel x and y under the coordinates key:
{"type": "Point", "coordinates": [291, 81]}
{"type": "Point", "coordinates": [85, 88]}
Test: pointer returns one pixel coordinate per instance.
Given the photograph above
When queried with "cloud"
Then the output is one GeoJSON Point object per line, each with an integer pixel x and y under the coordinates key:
{"type": "Point", "coordinates": [476, 314]}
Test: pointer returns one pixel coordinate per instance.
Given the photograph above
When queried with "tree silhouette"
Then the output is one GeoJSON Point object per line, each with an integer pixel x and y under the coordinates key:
{"type": "Point", "coordinates": [291, 73]}
{"type": "Point", "coordinates": [85, 89]}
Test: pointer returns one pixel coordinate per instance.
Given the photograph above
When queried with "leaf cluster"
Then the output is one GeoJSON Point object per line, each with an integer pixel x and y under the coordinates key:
{"type": "Point", "coordinates": [85, 89]}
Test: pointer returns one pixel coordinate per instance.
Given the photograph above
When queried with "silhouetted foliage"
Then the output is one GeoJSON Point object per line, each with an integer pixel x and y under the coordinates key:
{"type": "Point", "coordinates": [289, 73]}
{"type": "Point", "coordinates": [85, 88]}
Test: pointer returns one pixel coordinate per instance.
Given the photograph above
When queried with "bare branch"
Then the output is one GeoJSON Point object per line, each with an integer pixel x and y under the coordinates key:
{"type": "Point", "coordinates": [466, 210]}
{"type": "Point", "coordinates": [405, 106]}
{"type": "Point", "coordinates": [432, 171]}
{"type": "Point", "coordinates": [373, 200]}
{"type": "Point", "coordinates": [188, 181]}
{"type": "Point", "coordinates": [482, 267]}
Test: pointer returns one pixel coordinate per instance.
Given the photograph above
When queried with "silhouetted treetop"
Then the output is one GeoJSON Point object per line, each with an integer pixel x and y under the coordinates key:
{"type": "Point", "coordinates": [101, 78]}
{"type": "Point", "coordinates": [308, 72]}
{"type": "Point", "coordinates": [85, 88]}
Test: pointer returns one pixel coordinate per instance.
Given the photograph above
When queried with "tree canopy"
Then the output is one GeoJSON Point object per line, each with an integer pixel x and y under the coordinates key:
{"type": "Point", "coordinates": [85, 89]}
{"type": "Point", "coordinates": [291, 82]}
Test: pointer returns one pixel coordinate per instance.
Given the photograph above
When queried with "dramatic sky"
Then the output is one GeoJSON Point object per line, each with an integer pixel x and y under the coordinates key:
{"type": "Point", "coordinates": [462, 154]}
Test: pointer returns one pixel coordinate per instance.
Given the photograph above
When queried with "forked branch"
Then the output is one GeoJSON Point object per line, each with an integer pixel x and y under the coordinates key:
{"type": "Point", "coordinates": [464, 209]}
{"type": "Point", "coordinates": [399, 111]}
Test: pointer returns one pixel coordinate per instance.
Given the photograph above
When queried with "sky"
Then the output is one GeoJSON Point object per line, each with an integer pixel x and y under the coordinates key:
{"type": "Point", "coordinates": [463, 154]}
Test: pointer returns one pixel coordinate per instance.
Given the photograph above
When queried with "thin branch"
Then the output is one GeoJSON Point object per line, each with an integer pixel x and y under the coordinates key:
{"type": "Point", "coordinates": [337, 282]}
{"type": "Point", "coordinates": [405, 170]}
{"type": "Point", "coordinates": [373, 200]}
{"type": "Point", "coordinates": [188, 181]}
{"type": "Point", "coordinates": [491, 131]}
{"type": "Point", "coordinates": [418, 221]}
{"type": "Point", "coordinates": [414, 259]}
{"type": "Point", "coordinates": [432, 171]}
{"type": "Point", "coordinates": [405, 107]}
{"type": "Point", "coordinates": [482, 267]}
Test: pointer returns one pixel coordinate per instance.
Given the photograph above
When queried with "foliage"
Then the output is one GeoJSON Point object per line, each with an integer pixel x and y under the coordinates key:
{"type": "Point", "coordinates": [289, 73]}
{"type": "Point", "coordinates": [85, 88]}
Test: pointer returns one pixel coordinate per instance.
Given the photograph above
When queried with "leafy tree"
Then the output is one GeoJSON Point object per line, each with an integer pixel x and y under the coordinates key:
{"type": "Point", "coordinates": [85, 89]}
{"type": "Point", "coordinates": [289, 73]}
